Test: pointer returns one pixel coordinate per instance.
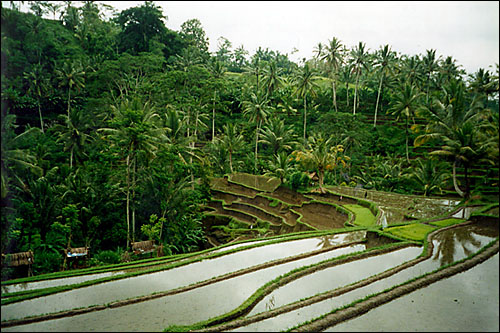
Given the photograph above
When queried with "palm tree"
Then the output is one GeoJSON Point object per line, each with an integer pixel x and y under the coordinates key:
{"type": "Point", "coordinates": [71, 75]}
{"type": "Point", "coordinates": [256, 69]}
{"type": "Point", "coordinates": [346, 77]}
{"type": "Point", "coordinates": [73, 135]}
{"type": "Point", "coordinates": [429, 174]}
{"type": "Point", "coordinates": [136, 129]}
{"type": "Point", "coordinates": [360, 60]}
{"type": "Point", "coordinates": [38, 85]}
{"type": "Point", "coordinates": [321, 156]}
{"type": "Point", "coordinates": [305, 84]}
{"type": "Point", "coordinates": [257, 109]}
{"type": "Point", "coordinates": [333, 56]}
{"type": "Point", "coordinates": [278, 136]}
{"type": "Point", "coordinates": [280, 166]}
{"type": "Point", "coordinates": [430, 65]}
{"type": "Point", "coordinates": [458, 125]}
{"type": "Point", "coordinates": [217, 69]}
{"type": "Point", "coordinates": [232, 141]}
{"type": "Point", "coordinates": [405, 103]}
{"type": "Point", "coordinates": [385, 58]}
{"type": "Point", "coordinates": [272, 80]}
{"type": "Point", "coordinates": [16, 159]}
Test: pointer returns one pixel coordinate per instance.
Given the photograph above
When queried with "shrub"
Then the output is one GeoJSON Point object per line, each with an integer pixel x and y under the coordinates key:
{"type": "Point", "coordinates": [108, 257]}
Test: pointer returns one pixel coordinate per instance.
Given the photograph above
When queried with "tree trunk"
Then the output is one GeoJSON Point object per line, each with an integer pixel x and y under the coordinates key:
{"type": "Point", "coordinates": [128, 201]}
{"type": "Point", "coordinates": [455, 183]}
{"type": "Point", "coordinates": [355, 93]}
{"type": "Point", "coordinates": [69, 99]}
{"type": "Point", "coordinates": [320, 181]}
{"type": "Point", "coordinates": [334, 94]}
{"type": "Point", "coordinates": [213, 117]}
{"type": "Point", "coordinates": [406, 132]}
{"type": "Point", "coordinates": [347, 93]}
{"type": "Point", "coordinates": [231, 161]}
{"type": "Point", "coordinates": [305, 116]}
{"type": "Point", "coordinates": [256, 143]}
{"type": "Point", "coordinates": [133, 198]}
{"type": "Point", "coordinates": [40, 114]}
{"type": "Point", "coordinates": [378, 98]}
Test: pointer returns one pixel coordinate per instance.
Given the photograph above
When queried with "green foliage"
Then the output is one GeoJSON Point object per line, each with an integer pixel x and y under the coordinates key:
{"type": "Point", "coordinates": [298, 181]}
{"type": "Point", "coordinates": [106, 257]}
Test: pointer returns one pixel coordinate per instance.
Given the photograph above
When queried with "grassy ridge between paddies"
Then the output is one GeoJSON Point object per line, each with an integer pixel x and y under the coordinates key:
{"type": "Point", "coordinates": [363, 215]}
{"type": "Point", "coordinates": [194, 257]}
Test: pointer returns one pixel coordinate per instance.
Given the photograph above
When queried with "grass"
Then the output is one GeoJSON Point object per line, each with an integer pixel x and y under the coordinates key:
{"type": "Point", "coordinates": [446, 222]}
{"type": "Point", "coordinates": [363, 216]}
{"type": "Point", "coordinates": [415, 231]}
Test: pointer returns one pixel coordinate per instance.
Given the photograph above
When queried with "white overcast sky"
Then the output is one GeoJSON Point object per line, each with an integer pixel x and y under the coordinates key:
{"type": "Point", "coordinates": [466, 30]}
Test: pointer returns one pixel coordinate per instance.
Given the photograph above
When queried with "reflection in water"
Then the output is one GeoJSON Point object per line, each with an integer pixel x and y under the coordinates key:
{"type": "Point", "coordinates": [466, 239]}
{"type": "Point", "coordinates": [343, 238]}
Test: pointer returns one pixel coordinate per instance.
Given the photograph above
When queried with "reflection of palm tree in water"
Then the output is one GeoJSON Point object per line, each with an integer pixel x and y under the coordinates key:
{"type": "Point", "coordinates": [330, 240]}
{"type": "Point", "coordinates": [449, 240]}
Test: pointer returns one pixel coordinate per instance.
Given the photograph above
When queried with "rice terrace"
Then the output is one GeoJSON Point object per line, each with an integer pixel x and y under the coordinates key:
{"type": "Point", "coordinates": [151, 183]}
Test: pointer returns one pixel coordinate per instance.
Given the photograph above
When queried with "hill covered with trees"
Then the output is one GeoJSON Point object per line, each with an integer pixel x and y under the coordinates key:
{"type": "Point", "coordinates": [110, 125]}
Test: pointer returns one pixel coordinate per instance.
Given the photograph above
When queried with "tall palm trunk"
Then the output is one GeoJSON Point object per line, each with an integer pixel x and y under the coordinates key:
{"type": "Point", "coordinates": [378, 98]}
{"type": "Point", "coordinates": [213, 117]}
{"type": "Point", "coordinates": [69, 99]}
{"type": "Point", "coordinates": [355, 93]}
{"type": "Point", "coordinates": [128, 201]}
{"type": "Point", "coordinates": [40, 114]}
{"type": "Point", "coordinates": [406, 134]}
{"type": "Point", "coordinates": [256, 143]}
{"type": "Point", "coordinates": [347, 93]}
{"type": "Point", "coordinates": [334, 94]}
{"type": "Point", "coordinates": [305, 116]}
{"type": "Point", "coordinates": [134, 170]}
{"type": "Point", "coordinates": [455, 183]}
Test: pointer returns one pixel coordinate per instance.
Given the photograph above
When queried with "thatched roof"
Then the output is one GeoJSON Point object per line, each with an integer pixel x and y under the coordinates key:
{"type": "Point", "coordinates": [77, 251]}
{"type": "Point", "coordinates": [20, 258]}
{"type": "Point", "coordinates": [143, 246]}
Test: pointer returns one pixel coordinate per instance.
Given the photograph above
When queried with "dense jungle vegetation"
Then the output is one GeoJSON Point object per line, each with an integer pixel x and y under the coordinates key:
{"type": "Point", "coordinates": [113, 127]}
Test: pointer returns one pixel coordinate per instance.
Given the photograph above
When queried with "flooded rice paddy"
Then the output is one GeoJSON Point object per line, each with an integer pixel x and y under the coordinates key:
{"type": "Point", "coordinates": [212, 287]}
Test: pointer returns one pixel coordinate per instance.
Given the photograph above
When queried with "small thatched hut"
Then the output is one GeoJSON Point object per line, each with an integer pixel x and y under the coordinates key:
{"type": "Point", "coordinates": [143, 247]}
{"type": "Point", "coordinates": [19, 259]}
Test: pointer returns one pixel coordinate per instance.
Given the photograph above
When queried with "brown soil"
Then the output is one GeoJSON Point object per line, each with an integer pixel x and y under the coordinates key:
{"type": "Point", "coordinates": [289, 196]}
{"type": "Point", "coordinates": [321, 216]}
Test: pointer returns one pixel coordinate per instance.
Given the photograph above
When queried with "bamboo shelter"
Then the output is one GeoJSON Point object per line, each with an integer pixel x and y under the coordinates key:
{"type": "Point", "coordinates": [76, 253]}
{"type": "Point", "coordinates": [20, 259]}
{"type": "Point", "coordinates": [143, 247]}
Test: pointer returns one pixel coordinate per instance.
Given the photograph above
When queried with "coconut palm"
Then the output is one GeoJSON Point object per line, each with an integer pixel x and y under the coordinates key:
{"type": "Point", "coordinates": [272, 79]}
{"type": "Point", "coordinates": [232, 141]}
{"type": "Point", "coordinates": [280, 166]}
{"type": "Point", "coordinates": [346, 77]}
{"type": "Point", "coordinates": [405, 102]}
{"type": "Point", "coordinates": [136, 129]}
{"type": "Point", "coordinates": [333, 55]}
{"type": "Point", "coordinates": [429, 175]}
{"type": "Point", "coordinates": [305, 83]}
{"type": "Point", "coordinates": [72, 76]}
{"type": "Point", "coordinates": [278, 136]}
{"type": "Point", "coordinates": [321, 156]}
{"type": "Point", "coordinates": [457, 124]}
{"type": "Point", "coordinates": [15, 158]}
{"type": "Point", "coordinates": [360, 60]}
{"type": "Point", "coordinates": [217, 69]}
{"type": "Point", "coordinates": [384, 59]}
{"type": "Point", "coordinates": [257, 110]}
{"type": "Point", "coordinates": [430, 66]}
{"type": "Point", "coordinates": [73, 135]}
{"type": "Point", "coordinates": [38, 85]}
